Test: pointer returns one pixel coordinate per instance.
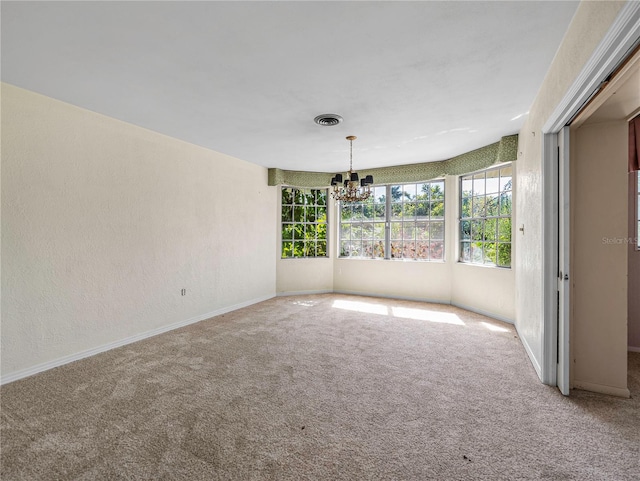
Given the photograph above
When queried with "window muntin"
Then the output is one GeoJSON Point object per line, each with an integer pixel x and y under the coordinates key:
{"type": "Point", "coordinates": [304, 222]}
{"type": "Point", "coordinates": [485, 217]}
{"type": "Point", "coordinates": [403, 221]}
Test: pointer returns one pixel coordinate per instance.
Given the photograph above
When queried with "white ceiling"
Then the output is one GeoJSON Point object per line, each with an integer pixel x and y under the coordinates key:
{"type": "Point", "coordinates": [415, 81]}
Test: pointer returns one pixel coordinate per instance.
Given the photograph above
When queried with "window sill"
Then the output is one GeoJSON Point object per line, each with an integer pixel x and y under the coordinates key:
{"type": "Point", "coordinates": [488, 266]}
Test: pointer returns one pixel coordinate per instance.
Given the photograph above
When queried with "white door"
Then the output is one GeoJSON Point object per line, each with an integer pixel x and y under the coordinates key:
{"type": "Point", "coordinates": [564, 275]}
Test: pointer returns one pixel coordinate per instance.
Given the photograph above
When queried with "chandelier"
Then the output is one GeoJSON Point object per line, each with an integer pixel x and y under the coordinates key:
{"type": "Point", "coordinates": [351, 190]}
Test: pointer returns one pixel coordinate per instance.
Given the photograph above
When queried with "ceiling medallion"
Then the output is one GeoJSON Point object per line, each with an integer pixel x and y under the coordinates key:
{"type": "Point", "coordinates": [351, 190]}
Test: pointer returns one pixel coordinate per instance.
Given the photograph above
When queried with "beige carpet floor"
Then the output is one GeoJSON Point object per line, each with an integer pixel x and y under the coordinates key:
{"type": "Point", "coordinates": [323, 387]}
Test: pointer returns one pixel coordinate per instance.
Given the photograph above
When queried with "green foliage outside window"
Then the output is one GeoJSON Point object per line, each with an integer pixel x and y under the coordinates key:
{"type": "Point", "coordinates": [485, 217]}
{"type": "Point", "coordinates": [304, 222]}
{"type": "Point", "coordinates": [396, 222]}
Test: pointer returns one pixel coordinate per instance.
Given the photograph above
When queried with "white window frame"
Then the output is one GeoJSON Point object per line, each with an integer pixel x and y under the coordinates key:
{"type": "Point", "coordinates": [467, 224]}
{"type": "Point", "coordinates": [305, 222]}
{"type": "Point", "coordinates": [382, 226]}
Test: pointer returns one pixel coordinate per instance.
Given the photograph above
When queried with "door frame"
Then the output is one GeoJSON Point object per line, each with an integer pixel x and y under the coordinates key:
{"type": "Point", "coordinates": [618, 43]}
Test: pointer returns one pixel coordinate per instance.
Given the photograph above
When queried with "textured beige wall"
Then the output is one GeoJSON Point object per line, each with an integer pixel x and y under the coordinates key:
{"type": "Point", "coordinates": [599, 206]}
{"type": "Point", "coordinates": [589, 25]}
{"type": "Point", "coordinates": [103, 223]}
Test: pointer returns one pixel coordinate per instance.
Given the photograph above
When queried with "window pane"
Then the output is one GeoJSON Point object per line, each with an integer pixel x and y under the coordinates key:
{"type": "Point", "coordinates": [298, 196]}
{"type": "Point", "coordinates": [409, 210]}
{"type": "Point", "coordinates": [322, 214]}
{"type": "Point", "coordinates": [437, 190]}
{"type": "Point", "coordinates": [287, 213]}
{"type": "Point", "coordinates": [309, 249]}
{"type": "Point", "coordinates": [437, 230]}
{"type": "Point", "coordinates": [396, 211]}
{"type": "Point", "coordinates": [489, 253]}
{"type": "Point", "coordinates": [465, 230]}
{"type": "Point", "coordinates": [422, 250]}
{"type": "Point", "coordinates": [368, 211]}
{"type": "Point", "coordinates": [378, 231]}
{"type": "Point", "coordinates": [422, 210]}
{"type": "Point", "coordinates": [409, 249]}
{"type": "Point", "coordinates": [321, 231]}
{"type": "Point", "coordinates": [492, 205]}
{"type": "Point", "coordinates": [321, 249]}
{"type": "Point", "coordinates": [409, 192]}
{"type": "Point", "coordinates": [504, 255]}
{"type": "Point", "coordinates": [378, 249]}
{"type": "Point", "coordinates": [506, 178]}
{"type": "Point", "coordinates": [287, 249]}
{"type": "Point", "coordinates": [380, 194]}
{"type": "Point", "coordinates": [301, 225]}
{"type": "Point", "coordinates": [310, 214]}
{"type": "Point", "coordinates": [504, 230]}
{"type": "Point", "coordinates": [477, 230]}
{"type": "Point", "coordinates": [465, 207]}
{"type": "Point", "coordinates": [422, 230]}
{"type": "Point", "coordinates": [287, 196]}
{"type": "Point", "coordinates": [478, 184]}
{"type": "Point", "coordinates": [485, 218]}
{"type": "Point", "coordinates": [310, 232]}
{"type": "Point", "coordinates": [345, 212]}
{"type": "Point", "coordinates": [476, 252]}
{"type": "Point", "coordinates": [367, 248]}
{"type": "Point", "coordinates": [466, 189]}
{"type": "Point", "coordinates": [322, 197]}
{"type": "Point", "coordinates": [409, 232]}
{"type": "Point", "coordinates": [396, 230]}
{"type": "Point", "coordinates": [465, 251]}
{"type": "Point", "coordinates": [436, 250]}
{"type": "Point", "coordinates": [422, 191]}
{"type": "Point", "coordinates": [345, 231]}
{"type": "Point", "coordinates": [356, 213]}
{"type": "Point", "coordinates": [477, 209]}
{"type": "Point", "coordinates": [490, 229]}
{"type": "Point", "coordinates": [493, 184]}
{"type": "Point", "coordinates": [505, 203]}
{"type": "Point", "coordinates": [396, 249]}
{"type": "Point", "coordinates": [437, 210]}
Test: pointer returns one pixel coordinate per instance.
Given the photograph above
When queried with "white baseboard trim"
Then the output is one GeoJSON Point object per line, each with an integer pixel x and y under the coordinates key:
{"type": "Point", "coordinates": [532, 358]}
{"type": "Point", "coordinates": [633, 349]}
{"type": "Point", "coordinates": [45, 366]}
{"type": "Point", "coordinates": [602, 389]}
{"type": "Point", "coordinates": [303, 293]}
{"type": "Point", "coordinates": [484, 313]}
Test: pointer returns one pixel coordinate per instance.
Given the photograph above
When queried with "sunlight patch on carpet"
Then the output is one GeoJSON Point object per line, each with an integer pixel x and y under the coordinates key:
{"type": "Point", "coordinates": [427, 315]}
{"type": "Point", "coordinates": [365, 307]}
{"type": "Point", "coordinates": [399, 312]}
{"type": "Point", "coordinates": [493, 327]}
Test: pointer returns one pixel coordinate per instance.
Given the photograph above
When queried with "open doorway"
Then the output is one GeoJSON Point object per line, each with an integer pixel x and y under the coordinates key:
{"type": "Point", "coordinates": [603, 251]}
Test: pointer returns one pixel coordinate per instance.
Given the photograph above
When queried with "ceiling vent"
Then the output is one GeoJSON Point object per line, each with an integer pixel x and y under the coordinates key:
{"type": "Point", "coordinates": [327, 120]}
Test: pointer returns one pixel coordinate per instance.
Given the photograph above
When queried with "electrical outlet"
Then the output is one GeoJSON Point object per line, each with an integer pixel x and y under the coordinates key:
{"type": "Point", "coordinates": [183, 292]}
